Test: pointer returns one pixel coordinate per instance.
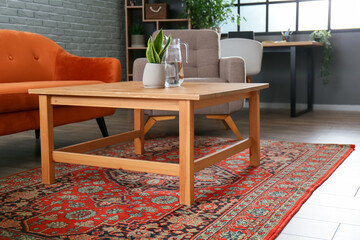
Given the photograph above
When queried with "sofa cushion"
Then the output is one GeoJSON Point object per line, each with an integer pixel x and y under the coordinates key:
{"type": "Point", "coordinates": [70, 67]}
{"type": "Point", "coordinates": [14, 97]}
{"type": "Point", "coordinates": [26, 56]}
{"type": "Point", "coordinates": [14, 122]}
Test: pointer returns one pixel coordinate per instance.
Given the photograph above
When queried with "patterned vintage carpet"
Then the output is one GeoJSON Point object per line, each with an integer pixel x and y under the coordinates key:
{"type": "Point", "coordinates": [233, 201]}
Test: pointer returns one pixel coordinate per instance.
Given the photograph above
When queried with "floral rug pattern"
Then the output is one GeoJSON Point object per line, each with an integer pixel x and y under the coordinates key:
{"type": "Point", "coordinates": [233, 200]}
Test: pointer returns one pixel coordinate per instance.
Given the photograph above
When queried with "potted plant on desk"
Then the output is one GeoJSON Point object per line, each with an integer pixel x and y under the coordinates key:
{"type": "Point", "coordinates": [154, 72]}
{"type": "Point", "coordinates": [323, 36]}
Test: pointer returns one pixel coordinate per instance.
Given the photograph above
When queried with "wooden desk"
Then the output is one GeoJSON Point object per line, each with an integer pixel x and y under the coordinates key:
{"type": "Point", "coordinates": [133, 95]}
{"type": "Point", "coordinates": [291, 47]}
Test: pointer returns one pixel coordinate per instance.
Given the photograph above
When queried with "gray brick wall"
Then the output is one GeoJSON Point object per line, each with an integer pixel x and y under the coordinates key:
{"type": "Point", "coordinates": [89, 28]}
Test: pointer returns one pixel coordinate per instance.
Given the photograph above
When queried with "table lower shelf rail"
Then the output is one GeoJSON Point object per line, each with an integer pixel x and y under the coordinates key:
{"type": "Point", "coordinates": [76, 154]}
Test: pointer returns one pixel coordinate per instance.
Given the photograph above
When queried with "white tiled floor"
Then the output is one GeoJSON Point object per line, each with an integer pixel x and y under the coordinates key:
{"type": "Point", "coordinates": [317, 229]}
{"type": "Point", "coordinates": [348, 232]}
{"type": "Point", "coordinates": [333, 210]}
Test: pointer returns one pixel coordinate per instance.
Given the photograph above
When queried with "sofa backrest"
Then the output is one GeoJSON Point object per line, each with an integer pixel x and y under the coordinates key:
{"type": "Point", "coordinates": [204, 53]}
{"type": "Point", "coordinates": [26, 56]}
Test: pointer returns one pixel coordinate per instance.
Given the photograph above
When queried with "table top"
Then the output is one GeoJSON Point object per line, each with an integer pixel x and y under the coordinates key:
{"type": "Point", "coordinates": [292, 44]}
{"type": "Point", "coordinates": [187, 91]}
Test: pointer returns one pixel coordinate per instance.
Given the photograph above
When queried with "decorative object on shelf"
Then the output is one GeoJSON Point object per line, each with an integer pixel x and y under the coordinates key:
{"type": "Point", "coordinates": [173, 63]}
{"type": "Point", "coordinates": [286, 35]}
{"type": "Point", "coordinates": [154, 72]}
{"type": "Point", "coordinates": [156, 11]}
{"type": "Point", "coordinates": [324, 36]}
{"type": "Point", "coordinates": [137, 33]}
{"type": "Point", "coordinates": [211, 14]}
{"type": "Point", "coordinates": [137, 15]}
{"type": "Point", "coordinates": [132, 3]}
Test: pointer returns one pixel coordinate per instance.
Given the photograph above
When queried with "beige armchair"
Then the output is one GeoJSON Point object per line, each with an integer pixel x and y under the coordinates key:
{"type": "Point", "coordinates": [205, 65]}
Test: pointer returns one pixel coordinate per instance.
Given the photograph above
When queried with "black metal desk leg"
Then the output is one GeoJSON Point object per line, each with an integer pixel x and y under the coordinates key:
{"type": "Point", "coordinates": [293, 81]}
{"type": "Point", "coordinates": [310, 80]}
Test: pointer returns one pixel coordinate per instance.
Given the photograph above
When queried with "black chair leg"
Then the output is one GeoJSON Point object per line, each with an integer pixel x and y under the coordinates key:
{"type": "Point", "coordinates": [102, 126]}
{"type": "Point", "coordinates": [37, 133]}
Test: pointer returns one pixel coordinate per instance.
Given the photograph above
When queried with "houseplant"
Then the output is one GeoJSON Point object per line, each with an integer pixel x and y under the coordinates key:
{"type": "Point", "coordinates": [210, 13]}
{"type": "Point", "coordinates": [154, 72]}
{"type": "Point", "coordinates": [324, 36]}
{"type": "Point", "coordinates": [137, 33]}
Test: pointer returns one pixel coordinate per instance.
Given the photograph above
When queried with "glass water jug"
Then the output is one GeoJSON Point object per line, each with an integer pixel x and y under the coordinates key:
{"type": "Point", "coordinates": [173, 63]}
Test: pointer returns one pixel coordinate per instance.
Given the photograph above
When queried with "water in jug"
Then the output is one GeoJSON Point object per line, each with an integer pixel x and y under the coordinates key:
{"type": "Point", "coordinates": [173, 63]}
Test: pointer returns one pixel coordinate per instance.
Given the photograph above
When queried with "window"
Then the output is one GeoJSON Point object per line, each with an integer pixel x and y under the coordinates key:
{"type": "Point", "coordinates": [252, 1]}
{"type": "Point", "coordinates": [313, 15]}
{"type": "Point", "coordinates": [296, 15]}
{"type": "Point", "coordinates": [345, 14]}
{"type": "Point", "coordinates": [255, 18]}
{"type": "Point", "coordinates": [282, 17]}
{"type": "Point", "coordinates": [231, 25]}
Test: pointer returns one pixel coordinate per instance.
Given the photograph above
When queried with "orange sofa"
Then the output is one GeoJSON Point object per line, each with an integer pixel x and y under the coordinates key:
{"type": "Point", "coordinates": [29, 60]}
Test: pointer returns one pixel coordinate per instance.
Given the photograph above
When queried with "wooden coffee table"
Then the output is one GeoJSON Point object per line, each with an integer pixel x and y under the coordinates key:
{"type": "Point", "coordinates": [133, 95]}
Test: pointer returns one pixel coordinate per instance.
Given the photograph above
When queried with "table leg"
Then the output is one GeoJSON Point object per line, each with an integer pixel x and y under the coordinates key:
{"type": "Point", "coordinates": [293, 81]}
{"type": "Point", "coordinates": [186, 152]}
{"type": "Point", "coordinates": [47, 139]}
{"type": "Point", "coordinates": [254, 128]}
{"type": "Point", "coordinates": [139, 125]}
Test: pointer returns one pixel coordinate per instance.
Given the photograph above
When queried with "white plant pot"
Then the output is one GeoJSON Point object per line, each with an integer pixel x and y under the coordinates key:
{"type": "Point", "coordinates": [154, 75]}
{"type": "Point", "coordinates": [137, 41]}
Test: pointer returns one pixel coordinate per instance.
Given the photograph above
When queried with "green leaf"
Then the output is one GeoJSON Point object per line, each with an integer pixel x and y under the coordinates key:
{"type": "Point", "coordinates": [149, 51]}
{"type": "Point", "coordinates": [163, 50]}
{"type": "Point", "coordinates": [156, 55]}
{"type": "Point", "coordinates": [158, 41]}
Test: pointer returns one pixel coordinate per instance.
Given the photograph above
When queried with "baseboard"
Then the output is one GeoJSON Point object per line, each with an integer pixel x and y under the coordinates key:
{"type": "Point", "coordinates": [337, 107]}
{"type": "Point", "coordinates": [328, 107]}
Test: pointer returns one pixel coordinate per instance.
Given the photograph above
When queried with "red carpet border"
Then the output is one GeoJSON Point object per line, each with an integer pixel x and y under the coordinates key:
{"type": "Point", "coordinates": [233, 201]}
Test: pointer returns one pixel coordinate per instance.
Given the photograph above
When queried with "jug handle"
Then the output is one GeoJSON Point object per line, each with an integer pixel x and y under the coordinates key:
{"type": "Point", "coordinates": [186, 51]}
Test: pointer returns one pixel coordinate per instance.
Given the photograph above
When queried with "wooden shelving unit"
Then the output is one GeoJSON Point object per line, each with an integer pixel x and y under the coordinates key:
{"type": "Point", "coordinates": [136, 15]}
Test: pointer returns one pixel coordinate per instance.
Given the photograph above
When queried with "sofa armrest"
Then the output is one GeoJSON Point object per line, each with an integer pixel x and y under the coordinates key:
{"type": "Point", "coordinates": [138, 70]}
{"type": "Point", "coordinates": [70, 67]}
{"type": "Point", "coordinates": [232, 69]}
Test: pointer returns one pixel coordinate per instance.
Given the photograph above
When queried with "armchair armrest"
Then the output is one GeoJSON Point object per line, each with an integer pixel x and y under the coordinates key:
{"type": "Point", "coordinates": [70, 67]}
{"type": "Point", "coordinates": [138, 69]}
{"type": "Point", "coordinates": [232, 69]}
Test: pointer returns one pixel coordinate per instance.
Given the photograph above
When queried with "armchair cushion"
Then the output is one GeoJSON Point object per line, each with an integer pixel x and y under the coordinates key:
{"type": "Point", "coordinates": [204, 52]}
{"type": "Point", "coordinates": [139, 66]}
{"type": "Point", "coordinates": [232, 69]}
